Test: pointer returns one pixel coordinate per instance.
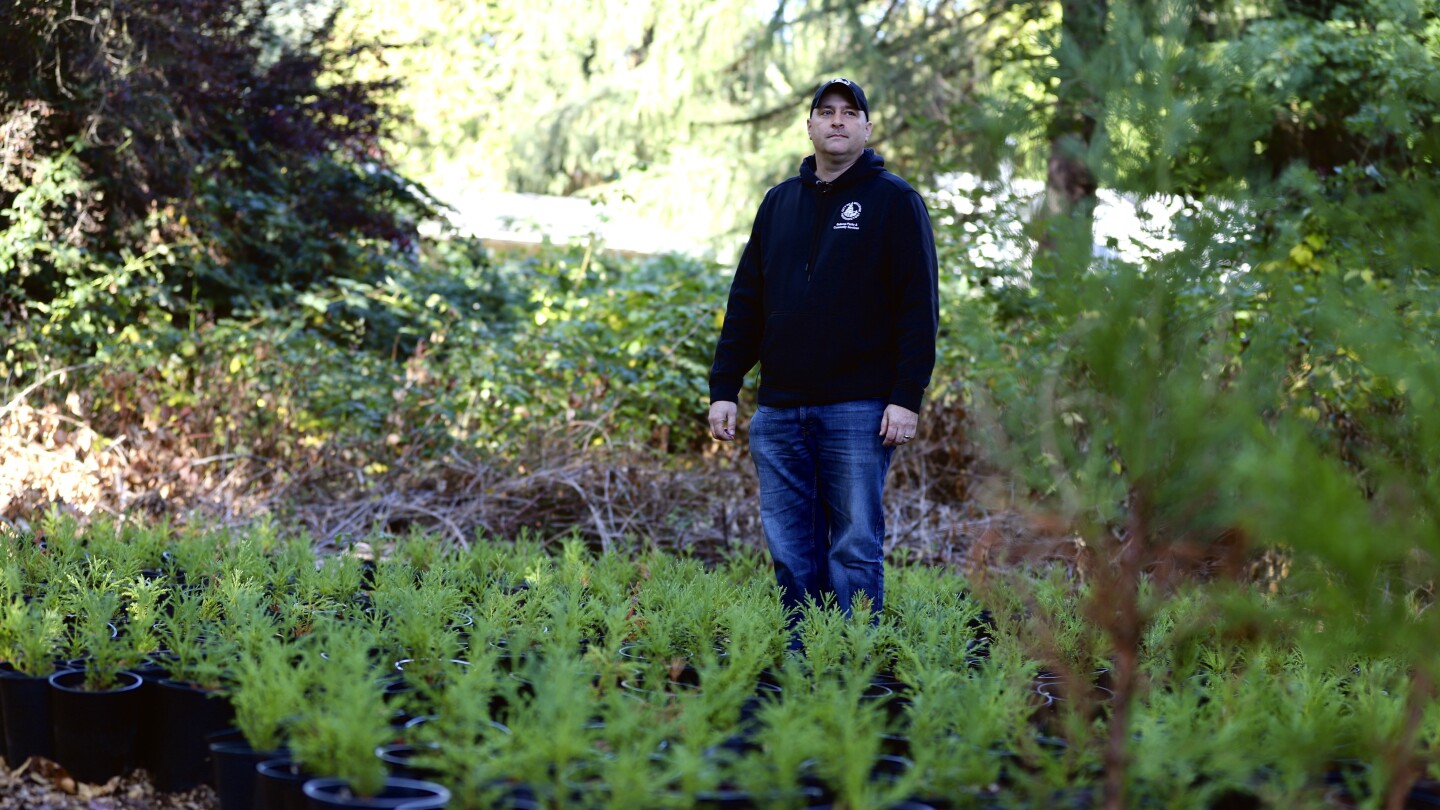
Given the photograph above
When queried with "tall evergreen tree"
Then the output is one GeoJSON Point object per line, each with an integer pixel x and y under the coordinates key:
{"type": "Point", "coordinates": [683, 108]}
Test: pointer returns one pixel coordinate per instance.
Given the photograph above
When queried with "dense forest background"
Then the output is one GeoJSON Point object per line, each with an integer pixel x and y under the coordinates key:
{"type": "Point", "coordinates": [226, 285]}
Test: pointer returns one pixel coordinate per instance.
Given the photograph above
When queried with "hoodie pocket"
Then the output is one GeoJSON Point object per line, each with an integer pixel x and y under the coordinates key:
{"type": "Point", "coordinates": [784, 354]}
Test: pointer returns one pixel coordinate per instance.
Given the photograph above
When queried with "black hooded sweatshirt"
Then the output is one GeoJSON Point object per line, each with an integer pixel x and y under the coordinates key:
{"type": "Point", "coordinates": [836, 294]}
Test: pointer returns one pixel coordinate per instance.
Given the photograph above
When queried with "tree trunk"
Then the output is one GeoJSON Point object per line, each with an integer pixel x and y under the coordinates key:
{"type": "Point", "coordinates": [1070, 182]}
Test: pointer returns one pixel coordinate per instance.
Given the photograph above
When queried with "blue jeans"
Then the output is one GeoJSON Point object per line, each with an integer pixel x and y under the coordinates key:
{"type": "Point", "coordinates": [822, 472]}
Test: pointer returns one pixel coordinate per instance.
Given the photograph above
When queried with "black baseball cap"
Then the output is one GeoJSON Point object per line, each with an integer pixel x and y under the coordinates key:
{"type": "Point", "coordinates": [857, 95]}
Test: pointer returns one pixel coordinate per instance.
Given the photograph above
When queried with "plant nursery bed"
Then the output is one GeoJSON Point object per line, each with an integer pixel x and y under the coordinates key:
{"type": "Point", "coordinates": [521, 675]}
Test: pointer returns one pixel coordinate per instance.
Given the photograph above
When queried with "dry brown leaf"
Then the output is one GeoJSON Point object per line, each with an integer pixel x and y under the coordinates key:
{"type": "Point", "coordinates": [89, 791]}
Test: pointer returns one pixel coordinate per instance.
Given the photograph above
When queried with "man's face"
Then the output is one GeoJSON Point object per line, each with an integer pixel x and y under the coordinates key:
{"type": "Point", "coordinates": [838, 128]}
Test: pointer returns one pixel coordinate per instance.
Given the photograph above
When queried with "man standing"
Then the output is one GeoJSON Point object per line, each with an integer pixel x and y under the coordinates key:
{"type": "Point", "coordinates": [837, 297]}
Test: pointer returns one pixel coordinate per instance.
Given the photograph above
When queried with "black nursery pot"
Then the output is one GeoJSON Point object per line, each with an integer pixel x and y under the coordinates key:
{"type": "Point", "coordinates": [398, 758]}
{"type": "Point", "coordinates": [147, 740]}
{"type": "Point", "coordinates": [25, 703]}
{"type": "Point", "coordinates": [411, 794]}
{"type": "Point", "coordinates": [95, 732]}
{"type": "Point", "coordinates": [187, 715]}
{"type": "Point", "coordinates": [232, 764]}
{"type": "Point", "coordinates": [279, 785]}
{"type": "Point", "coordinates": [724, 799]}
{"type": "Point", "coordinates": [1424, 795]}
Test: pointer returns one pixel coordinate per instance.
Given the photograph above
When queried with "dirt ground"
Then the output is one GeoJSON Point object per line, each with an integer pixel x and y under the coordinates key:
{"type": "Point", "coordinates": [40, 784]}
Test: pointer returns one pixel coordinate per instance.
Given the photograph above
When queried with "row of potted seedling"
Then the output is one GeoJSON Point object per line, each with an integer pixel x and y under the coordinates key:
{"type": "Point", "coordinates": [278, 633]}
{"type": "Point", "coordinates": [513, 676]}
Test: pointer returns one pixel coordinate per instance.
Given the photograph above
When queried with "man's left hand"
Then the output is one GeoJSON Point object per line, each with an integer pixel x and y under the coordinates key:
{"type": "Point", "coordinates": [897, 426]}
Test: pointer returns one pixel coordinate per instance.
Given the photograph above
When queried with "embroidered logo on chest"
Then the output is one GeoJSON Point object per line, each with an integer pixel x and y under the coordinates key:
{"type": "Point", "coordinates": [848, 214]}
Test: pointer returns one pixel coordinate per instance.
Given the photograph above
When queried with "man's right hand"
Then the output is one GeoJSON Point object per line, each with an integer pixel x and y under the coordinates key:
{"type": "Point", "coordinates": [722, 421]}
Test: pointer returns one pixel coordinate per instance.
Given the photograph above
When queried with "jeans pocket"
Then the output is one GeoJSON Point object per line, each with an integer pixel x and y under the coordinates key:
{"type": "Point", "coordinates": [756, 426]}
